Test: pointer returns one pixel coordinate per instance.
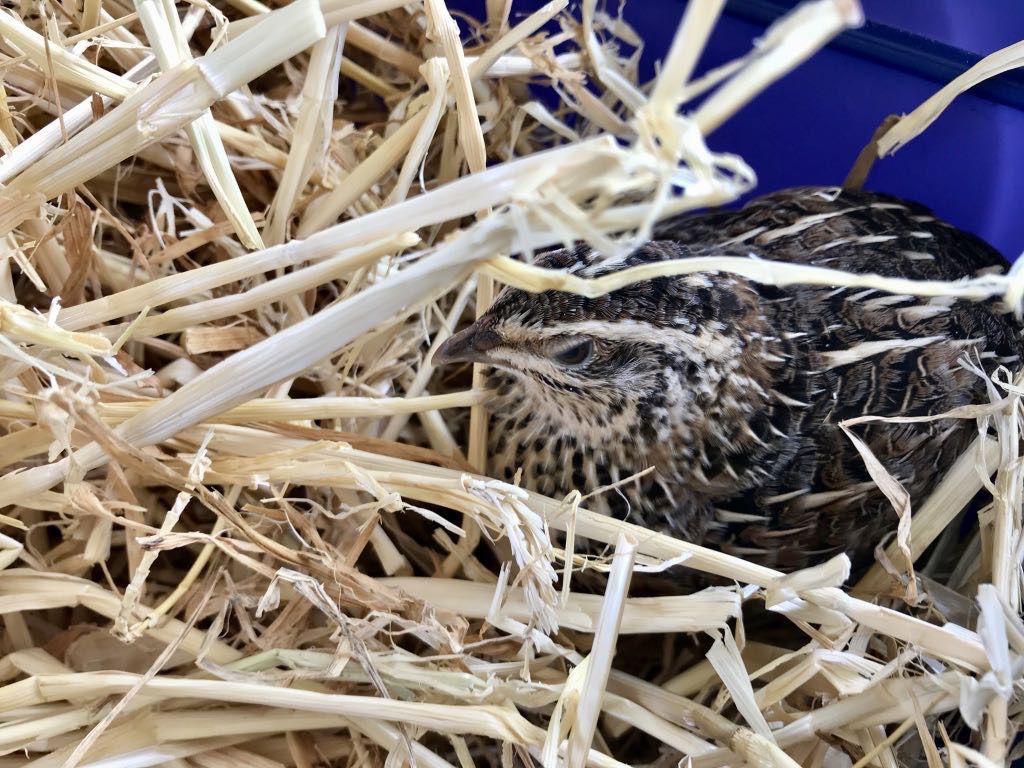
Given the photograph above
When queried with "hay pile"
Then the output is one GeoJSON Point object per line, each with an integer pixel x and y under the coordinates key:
{"type": "Point", "coordinates": [231, 237]}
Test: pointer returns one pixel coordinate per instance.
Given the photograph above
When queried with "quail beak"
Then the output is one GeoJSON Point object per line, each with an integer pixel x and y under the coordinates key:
{"type": "Point", "coordinates": [468, 346]}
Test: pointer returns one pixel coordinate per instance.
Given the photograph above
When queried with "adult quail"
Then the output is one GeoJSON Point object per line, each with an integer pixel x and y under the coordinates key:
{"type": "Point", "coordinates": [733, 391]}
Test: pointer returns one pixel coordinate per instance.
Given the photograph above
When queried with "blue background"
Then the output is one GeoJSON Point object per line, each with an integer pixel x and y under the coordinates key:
{"type": "Point", "coordinates": [809, 126]}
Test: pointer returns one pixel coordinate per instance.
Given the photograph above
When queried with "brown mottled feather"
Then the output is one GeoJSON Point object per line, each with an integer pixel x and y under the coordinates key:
{"type": "Point", "coordinates": [733, 391]}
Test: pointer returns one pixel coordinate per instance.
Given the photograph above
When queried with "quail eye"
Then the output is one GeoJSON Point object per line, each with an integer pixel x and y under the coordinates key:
{"type": "Point", "coordinates": [577, 354]}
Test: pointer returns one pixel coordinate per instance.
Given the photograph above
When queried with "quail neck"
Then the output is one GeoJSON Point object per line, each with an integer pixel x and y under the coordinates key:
{"type": "Point", "coordinates": [708, 406]}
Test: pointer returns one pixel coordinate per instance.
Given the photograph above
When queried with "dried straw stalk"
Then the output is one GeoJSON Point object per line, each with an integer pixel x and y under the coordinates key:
{"type": "Point", "coordinates": [270, 412]}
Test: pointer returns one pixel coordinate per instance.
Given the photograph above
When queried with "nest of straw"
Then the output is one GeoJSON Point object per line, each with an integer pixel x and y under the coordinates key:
{"type": "Point", "coordinates": [245, 522]}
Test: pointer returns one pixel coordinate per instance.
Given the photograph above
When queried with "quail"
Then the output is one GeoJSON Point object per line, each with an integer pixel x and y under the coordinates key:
{"type": "Point", "coordinates": [730, 392]}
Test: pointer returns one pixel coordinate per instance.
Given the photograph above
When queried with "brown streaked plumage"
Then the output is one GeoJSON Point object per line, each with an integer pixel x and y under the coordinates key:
{"type": "Point", "coordinates": [733, 391]}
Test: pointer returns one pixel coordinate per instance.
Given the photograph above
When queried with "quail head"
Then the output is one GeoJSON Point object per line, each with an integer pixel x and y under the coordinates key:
{"type": "Point", "coordinates": [731, 392]}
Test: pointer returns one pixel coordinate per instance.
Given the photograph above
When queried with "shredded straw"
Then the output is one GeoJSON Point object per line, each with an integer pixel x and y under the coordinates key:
{"type": "Point", "coordinates": [243, 521]}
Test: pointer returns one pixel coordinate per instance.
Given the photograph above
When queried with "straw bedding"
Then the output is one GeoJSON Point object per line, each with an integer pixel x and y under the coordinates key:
{"type": "Point", "coordinates": [245, 522]}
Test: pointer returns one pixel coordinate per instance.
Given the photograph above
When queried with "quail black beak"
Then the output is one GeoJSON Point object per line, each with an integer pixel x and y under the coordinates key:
{"type": "Point", "coordinates": [467, 346]}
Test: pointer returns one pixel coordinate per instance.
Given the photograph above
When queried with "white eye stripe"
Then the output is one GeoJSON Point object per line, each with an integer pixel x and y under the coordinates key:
{"type": "Point", "coordinates": [705, 344]}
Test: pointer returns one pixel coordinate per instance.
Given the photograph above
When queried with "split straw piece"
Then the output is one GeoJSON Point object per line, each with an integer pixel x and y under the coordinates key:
{"type": "Point", "coordinates": [197, 281]}
{"type": "Point", "coordinates": [312, 133]}
{"type": "Point", "coordinates": [283, 409]}
{"type": "Point", "coordinates": [171, 101]}
{"type": "Point", "coordinates": [303, 409]}
{"type": "Point", "coordinates": [360, 37]}
{"type": "Point", "coordinates": [786, 44]}
{"type": "Point", "coordinates": [487, 720]}
{"type": "Point", "coordinates": [691, 37]}
{"type": "Point", "coordinates": [129, 54]}
{"type": "Point", "coordinates": [536, 279]}
{"type": "Point", "coordinates": [599, 661]}
{"type": "Point", "coordinates": [385, 50]}
{"type": "Point", "coordinates": [956, 489]}
{"type": "Point", "coordinates": [914, 124]}
{"type": "Point", "coordinates": [605, 68]}
{"type": "Point", "coordinates": [19, 324]}
{"type": "Point", "coordinates": [167, 39]}
{"type": "Point", "coordinates": [157, 737]}
{"type": "Point", "coordinates": [35, 147]}
{"type": "Point", "coordinates": [676, 613]}
{"type": "Point", "coordinates": [441, 27]}
{"type": "Point", "coordinates": [959, 648]}
{"type": "Point", "coordinates": [435, 74]}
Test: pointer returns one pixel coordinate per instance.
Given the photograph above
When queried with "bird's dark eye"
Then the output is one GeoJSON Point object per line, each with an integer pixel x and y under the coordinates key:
{"type": "Point", "coordinates": [576, 354]}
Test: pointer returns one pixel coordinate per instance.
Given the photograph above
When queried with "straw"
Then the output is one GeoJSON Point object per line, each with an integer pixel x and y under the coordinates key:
{"type": "Point", "coordinates": [246, 521]}
{"type": "Point", "coordinates": [167, 39]}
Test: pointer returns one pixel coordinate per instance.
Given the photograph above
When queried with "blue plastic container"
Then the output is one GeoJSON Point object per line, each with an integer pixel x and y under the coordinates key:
{"type": "Point", "coordinates": [809, 127]}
